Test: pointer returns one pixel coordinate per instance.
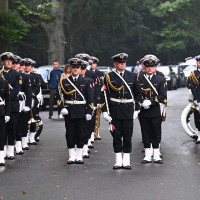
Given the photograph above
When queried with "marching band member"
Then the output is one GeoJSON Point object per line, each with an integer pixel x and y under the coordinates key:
{"type": "Point", "coordinates": [25, 96]}
{"type": "Point", "coordinates": [33, 112]}
{"type": "Point", "coordinates": [4, 115]}
{"type": "Point", "coordinates": [121, 91]}
{"type": "Point", "coordinates": [193, 84]}
{"type": "Point", "coordinates": [154, 92]}
{"type": "Point", "coordinates": [78, 108]}
{"type": "Point", "coordinates": [15, 82]}
{"type": "Point", "coordinates": [88, 128]}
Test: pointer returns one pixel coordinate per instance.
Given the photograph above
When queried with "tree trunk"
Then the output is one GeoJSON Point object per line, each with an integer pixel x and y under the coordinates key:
{"type": "Point", "coordinates": [3, 43]}
{"type": "Point", "coordinates": [3, 4]}
{"type": "Point", "coordinates": [55, 33]}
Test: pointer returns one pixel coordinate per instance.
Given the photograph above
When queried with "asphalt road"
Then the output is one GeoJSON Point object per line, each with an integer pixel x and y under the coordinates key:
{"type": "Point", "coordinates": [42, 173]}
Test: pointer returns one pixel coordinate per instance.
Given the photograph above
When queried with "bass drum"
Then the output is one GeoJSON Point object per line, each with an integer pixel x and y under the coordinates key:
{"type": "Point", "coordinates": [186, 119]}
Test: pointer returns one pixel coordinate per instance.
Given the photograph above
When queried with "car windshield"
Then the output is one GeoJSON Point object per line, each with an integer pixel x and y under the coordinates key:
{"type": "Point", "coordinates": [44, 72]}
{"type": "Point", "coordinates": [188, 68]}
{"type": "Point", "coordinates": [164, 70]}
{"type": "Point", "coordinates": [175, 69]}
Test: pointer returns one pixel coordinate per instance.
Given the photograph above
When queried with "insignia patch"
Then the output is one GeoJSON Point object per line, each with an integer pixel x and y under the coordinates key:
{"type": "Point", "coordinates": [20, 82]}
{"type": "Point", "coordinates": [121, 56]}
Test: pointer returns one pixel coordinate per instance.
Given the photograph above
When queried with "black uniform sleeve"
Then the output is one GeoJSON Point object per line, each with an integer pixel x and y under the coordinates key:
{"type": "Point", "coordinates": [7, 99]}
{"type": "Point", "coordinates": [16, 86]}
{"type": "Point", "coordinates": [89, 98]}
{"type": "Point", "coordinates": [28, 91]}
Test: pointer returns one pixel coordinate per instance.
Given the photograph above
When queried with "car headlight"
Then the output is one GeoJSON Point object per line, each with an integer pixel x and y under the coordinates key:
{"type": "Point", "coordinates": [167, 78]}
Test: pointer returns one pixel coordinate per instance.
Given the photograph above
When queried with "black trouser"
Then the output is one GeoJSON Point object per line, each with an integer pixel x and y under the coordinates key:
{"type": "Point", "coordinates": [11, 128]}
{"type": "Point", "coordinates": [53, 95]}
{"type": "Point", "coordinates": [87, 131]}
{"type": "Point", "coordinates": [19, 127]}
{"type": "Point", "coordinates": [25, 117]}
{"type": "Point", "coordinates": [151, 131]}
{"type": "Point", "coordinates": [2, 132]}
{"type": "Point", "coordinates": [197, 119]}
{"type": "Point", "coordinates": [74, 132]}
{"type": "Point", "coordinates": [122, 135]}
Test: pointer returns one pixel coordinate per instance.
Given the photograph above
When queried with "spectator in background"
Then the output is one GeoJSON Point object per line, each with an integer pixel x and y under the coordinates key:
{"type": "Point", "coordinates": [138, 67]}
{"type": "Point", "coordinates": [54, 78]}
{"type": "Point", "coordinates": [66, 72]}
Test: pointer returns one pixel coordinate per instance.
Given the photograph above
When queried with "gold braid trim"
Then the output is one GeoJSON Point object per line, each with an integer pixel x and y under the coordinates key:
{"type": "Point", "coordinates": [194, 78]}
{"type": "Point", "coordinates": [67, 93]}
{"type": "Point", "coordinates": [111, 85]}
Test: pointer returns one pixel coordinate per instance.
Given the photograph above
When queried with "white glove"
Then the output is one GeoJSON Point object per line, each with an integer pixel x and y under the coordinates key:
{"type": "Point", "coordinates": [94, 108]}
{"type": "Point", "coordinates": [64, 111]}
{"type": "Point", "coordinates": [198, 107]}
{"type": "Point", "coordinates": [146, 104]}
{"type": "Point", "coordinates": [107, 117]}
{"type": "Point", "coordinates": [7, 119]}
{"type": "Point", "coordinates": [88, 117]}
{"type": "Point", "coordinates": [26, 109]}
{"type": "Point", "coordinates": [135, 114]}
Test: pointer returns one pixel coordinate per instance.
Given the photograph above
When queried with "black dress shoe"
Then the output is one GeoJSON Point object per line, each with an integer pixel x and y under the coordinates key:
{"type": "Point", "coordinates": [79, 162]}
{"type": "Point", "coordinates": [158, 161]}
{"type": "Point", "coordinates": [92, 142]}
{"type": "Point", "coordinates": [145, 161]}
{"type": "Point", "coordinates": [98, 138]}
{"type": "Point", "coordinates": [33, 143]}
{"type": "Point", "coordinates": [10, 158]}
{"type": "Point", "coordinates": [116, 167]}
{"type": "Point", "coordinates": [37, 140]}
{"type": "Point", "coordinates": [25, 148]}
{"type": "Point", "coordinates": [86, 156]}
{"type": "Point", "coordinates": [128, 167]}
{"type": "Point", "coordinates": [2, 164]}
{"type": "Point", "coordinates": [70, 162]}
{"type": "Point", "coordinates": [198, 142]}
{"type": "Point", "coordinates": [20, 153]}
{"type": "Point", "coordinates": [90, 147]}
{"type": "Point", "coordinates": [88, 151]}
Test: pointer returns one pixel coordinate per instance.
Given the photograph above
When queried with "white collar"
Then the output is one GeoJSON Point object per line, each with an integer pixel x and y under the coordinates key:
{"type": "Point", "coordinates": [75, 77]}
{"type": "Point", "coordinates": [6, 71]}
{"type": "Point", "coordinates": [120, 72]}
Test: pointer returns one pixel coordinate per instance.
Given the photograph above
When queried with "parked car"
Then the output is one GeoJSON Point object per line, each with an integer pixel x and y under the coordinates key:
{"type": "Point", "coordinates": [170, 76]}
{"type": "Point", "coordinates": [45, 73]}
{"type": "Point", "coordinates": [104, 69]}
{"type": "Point", "coordinates": [181, 79]}
{"type": "Point", "coordinates": [130, 68]}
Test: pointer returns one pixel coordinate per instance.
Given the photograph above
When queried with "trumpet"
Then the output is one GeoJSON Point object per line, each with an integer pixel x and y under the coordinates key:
{"type": "Point", "coordinates": [32, 120]}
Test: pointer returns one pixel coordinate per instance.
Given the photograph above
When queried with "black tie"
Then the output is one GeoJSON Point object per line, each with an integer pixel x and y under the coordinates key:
{"type": "Point", "coordinates": [74, 80]}
{"type": "Point", "coordinates": [121, 74]}
{"type": "Point", "coordinates": [149, 77]}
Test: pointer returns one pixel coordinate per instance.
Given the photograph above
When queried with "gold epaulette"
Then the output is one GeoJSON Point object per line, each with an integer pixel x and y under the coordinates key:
{"type": "Point", "coordinates": [111, 85]}
{"type": "Point", "coordinates": [194, 78]}
{"type": "Point", "coordinates": [67, 93]}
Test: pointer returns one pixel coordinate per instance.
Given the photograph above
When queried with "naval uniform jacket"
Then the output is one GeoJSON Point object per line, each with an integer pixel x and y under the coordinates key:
{"type": "Point", "coordinates": [78, 111]}
{"type": "Point", "coordinates": [97, 89]}
{"type": "Point", "coordinates": [193, 84]}
{"type": "Point", "coordinates": [149, 94]}
{"type": "Point", "coordinates": [26, 88]}
{"type": "Point", "coordinates": [5, 95]}
{"type": "Point", "coordinates": [15, 80]}
{"type": "Point", "coordinates": [116, 88]}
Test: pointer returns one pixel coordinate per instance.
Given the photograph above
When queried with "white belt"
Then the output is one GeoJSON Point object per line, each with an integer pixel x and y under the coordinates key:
{"type": "Point", "coordinates": [75, 102]}
{"type": "Point", "coordinates": [2, 102]}
{"type": "Point", "coordinates": [21, 93]}
{"type": "Point", "coordinates": [121, 100]}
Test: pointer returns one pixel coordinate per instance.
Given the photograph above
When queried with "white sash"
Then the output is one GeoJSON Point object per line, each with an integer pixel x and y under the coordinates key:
{"type": "Point", "coordinates": [125, 84]}
{"type": "Point", "coordinates": [76, 89]}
